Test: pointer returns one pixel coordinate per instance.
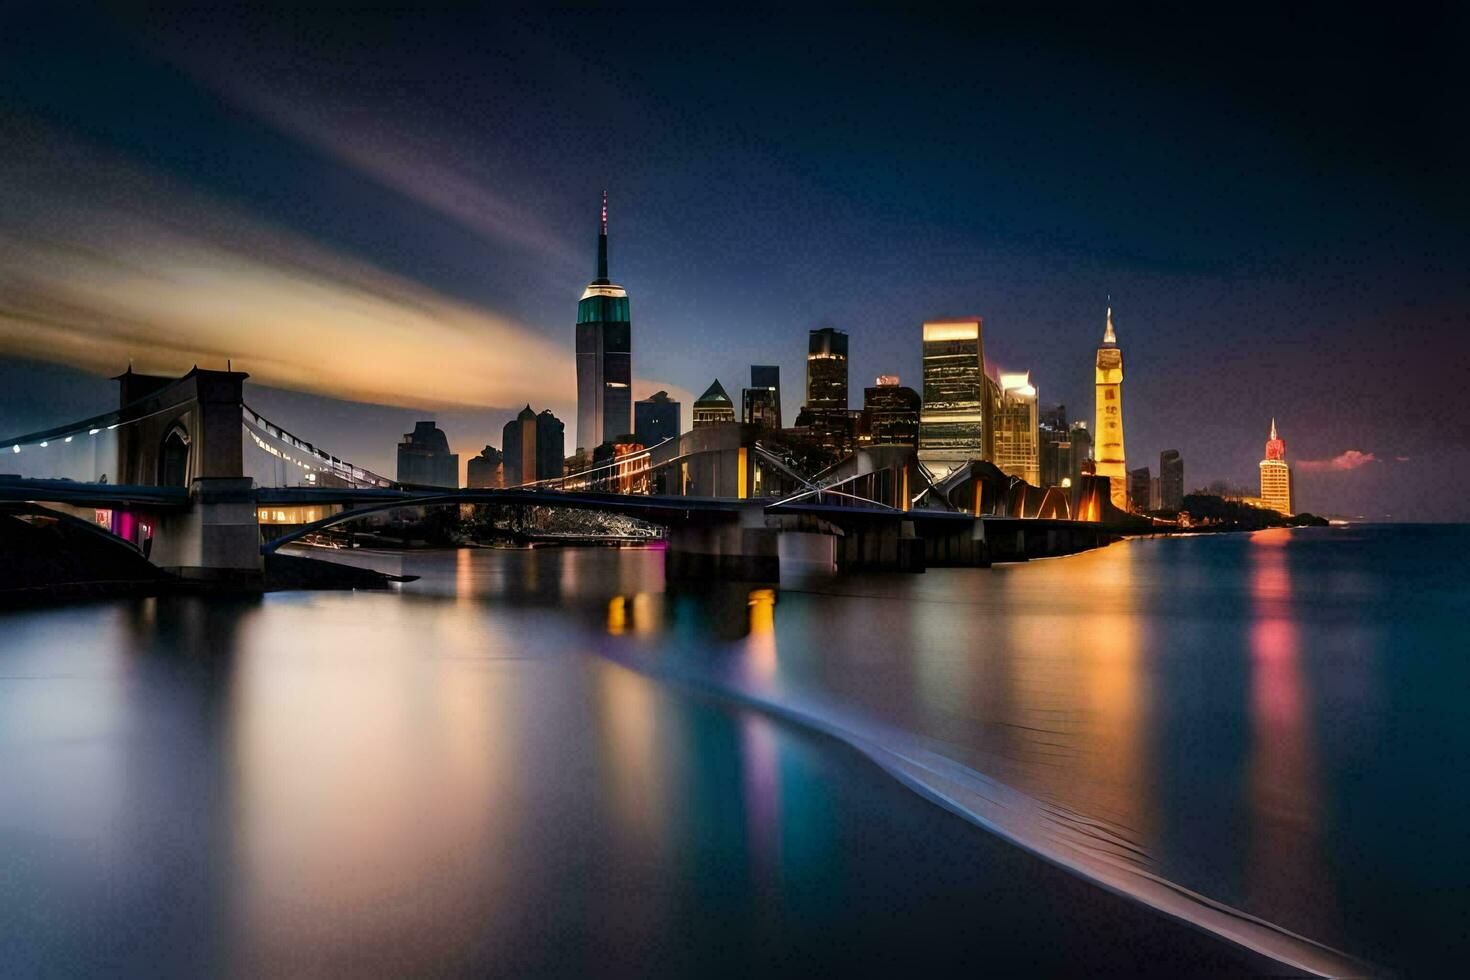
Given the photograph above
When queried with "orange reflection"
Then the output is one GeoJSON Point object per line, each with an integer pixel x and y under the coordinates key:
{"type": "Point", "coordinates": [760, 644]}
{"type": "Point", "coordinates": [632, 755]}
{"type": "Point", "coordinates": [617, 615]}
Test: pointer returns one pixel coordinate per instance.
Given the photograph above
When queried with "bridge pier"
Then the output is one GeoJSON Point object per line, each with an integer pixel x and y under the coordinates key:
{"type": "Point", "coordinates": [965, 548]}
{"type": "Point", "coordinates": [887, 546]}
{"type": "Point", "coordinates": [746, 549]}
{"type": "Point", "coordinates": [217, 539]}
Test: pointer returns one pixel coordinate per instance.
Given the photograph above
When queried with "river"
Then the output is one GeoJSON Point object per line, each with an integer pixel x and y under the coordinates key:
{"type": "Point", "coordinates": [547, 762]}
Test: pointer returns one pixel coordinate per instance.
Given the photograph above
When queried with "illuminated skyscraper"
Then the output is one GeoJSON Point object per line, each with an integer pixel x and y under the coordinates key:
{"type": "Point", "coordinates": [955, 424]}
{"type": "Point", "coordinates": [1108, 447]}
{"type": "Point", "coordinates": [891, 414]}
{"type": "Point", "coordinates": [826, 370]}
{"type": "Point", "coordinates": [1276, 475]}
{"type": "Point", "coordinates": [604, 356]}
{"type": "Point", "coordinates": [713, 407]}
{"type": "Point", "coordinates": [1016, 449]}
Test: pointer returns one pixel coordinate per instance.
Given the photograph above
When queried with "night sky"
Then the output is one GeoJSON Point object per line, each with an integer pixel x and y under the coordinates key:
{"type": "Point", "coordinates": [385, 216]}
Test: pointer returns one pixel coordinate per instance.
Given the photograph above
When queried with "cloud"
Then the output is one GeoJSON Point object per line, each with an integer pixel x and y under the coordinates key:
{"type": "Point", "coordinates": [1350, 460]}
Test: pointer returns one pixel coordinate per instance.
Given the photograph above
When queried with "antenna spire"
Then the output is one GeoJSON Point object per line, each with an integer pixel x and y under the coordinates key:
{"type": "Point", "coordinates": [1108, 336]}
{"type": "Point", "coordinates": [1273, 427]}
{"type": "Point", "coordinates": [602, 244]}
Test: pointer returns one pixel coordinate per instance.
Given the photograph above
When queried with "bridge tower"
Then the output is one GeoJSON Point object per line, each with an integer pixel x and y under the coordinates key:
{"type": "Point", "coordinates": [189, 433]}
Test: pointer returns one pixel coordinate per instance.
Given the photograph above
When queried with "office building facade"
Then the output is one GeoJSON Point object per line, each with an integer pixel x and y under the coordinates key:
{"type": "Point", "coordinates": [826, 370]}
{"type": "Point", "coordinates": [1171, 480]}
{"type": "Point", "coordinates": [1054, 447]}
{"type": "Point", "coordinates": [533, 447]}
{"type": "Point", "coordinates": [655, 419]}
{"type": "Point", "coordinates": [955, 424]}
{"type": "Point", "coordinates": [604, 356]}
{"type": "Point", "coordinates": [1016, 450]}
{"type": "Point", "coordinates": [1140, 489]}
{"type": "Point", "coordinates": [424, 458]}
{"type": "Point", "coordinates": [891, 414]}
{"type": "Point", "coordinates": [485, 471]}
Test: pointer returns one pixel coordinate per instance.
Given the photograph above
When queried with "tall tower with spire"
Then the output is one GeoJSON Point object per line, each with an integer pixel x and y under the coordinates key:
{"type": "Point", "coordinates": [1276, 475]}
{"type": "Point", "coordinates": [604, 356]}
{"type": "Point", "coordinates": [1108, 440]}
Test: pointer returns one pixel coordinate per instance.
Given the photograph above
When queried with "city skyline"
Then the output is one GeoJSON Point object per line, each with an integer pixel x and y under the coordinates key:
{"type": "Point", "coordinates": [1253, 317]}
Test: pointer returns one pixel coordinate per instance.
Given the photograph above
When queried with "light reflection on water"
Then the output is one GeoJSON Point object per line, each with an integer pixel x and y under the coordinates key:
{"type": "Point", "coordinates": [1222, 711]}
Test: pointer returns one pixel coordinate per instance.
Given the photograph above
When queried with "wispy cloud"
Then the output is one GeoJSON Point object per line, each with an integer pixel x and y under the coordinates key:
{"type": "Point", "coordinates": [101, 264]}
{"type": "Point", "coordinates": [1350, 460]}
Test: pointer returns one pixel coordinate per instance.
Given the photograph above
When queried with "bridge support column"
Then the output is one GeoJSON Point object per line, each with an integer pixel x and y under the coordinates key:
{"type": "Point", "coordinates": [966, 548]}
{"type": "Point", "coordinates": [889, 546]}
{"type": "Point", "coordinates": [745, 550]}
{"type": "Point", "coordinates": [217, 539]}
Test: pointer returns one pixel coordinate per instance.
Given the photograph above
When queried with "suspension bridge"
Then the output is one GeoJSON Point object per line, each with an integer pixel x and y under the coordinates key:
{"type": "Point", "coordinates": [185, 472]}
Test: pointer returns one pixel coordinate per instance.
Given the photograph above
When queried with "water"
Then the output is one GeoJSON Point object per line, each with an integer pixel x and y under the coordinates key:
{"type": "Point", "coordinates": [544, 762]}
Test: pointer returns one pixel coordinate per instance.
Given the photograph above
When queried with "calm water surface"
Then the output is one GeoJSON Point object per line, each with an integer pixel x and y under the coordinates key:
{"type": "Point", "coordinates": [545, 761]}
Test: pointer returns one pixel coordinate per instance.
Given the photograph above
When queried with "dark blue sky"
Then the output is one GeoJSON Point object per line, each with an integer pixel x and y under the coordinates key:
{"type": "Point", "coordinates": [1276, 204]}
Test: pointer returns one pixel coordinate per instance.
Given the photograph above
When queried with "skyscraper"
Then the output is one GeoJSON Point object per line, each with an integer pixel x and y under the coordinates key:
{"type": "Point", "coordinates": [891, 413]}
{"type": "Point", "coordinates": [655, 419]}
{"type": "Point", "coordinates": [1016, 449]}
{"type": "Point", "coordinates": [485, 470]}
{"type": "Point", "coordinates": [955, 424]}
{"type": "Point", "coordinates": [1081, 440]}
{"type": "Point", "coordinates": [761, 402]}
{"type": "Point", "coordinates": [533, 447]}
{"type": "Point", "coordinates": [1108, 448]}
{"type": "Point", "coordinates": [826, 370]}
{"type": "Point", "coordinates": [768, 376]}
{"type": "Point", "coordinates": [1054, 447]}
{"type": "Point", "coordinates": [604, 356]}
{"type": "Point", "coordinates": [1171, 480]}
{"type": "Point", "coordinates": [714, 406]}
{"type": "Point", "coordinates": [424, 458]}
{"type": "Point", "coordinates": [1140, 489]}
{"type": "Point", "coordinates": [1276, 475]}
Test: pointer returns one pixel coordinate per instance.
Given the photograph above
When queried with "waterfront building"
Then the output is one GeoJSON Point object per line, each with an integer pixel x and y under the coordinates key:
{"type": "Point", "coordinates": [1276, 475]}
{"type": "Point", "coordinates": [655, 419]}
{"type": "Point", "coordinates": [955, 424]}
{"type": "Point", "coordinates": [713, 407]}
{"type": "Point", "coordinates": [604, 356]}
{"type": "Point", "coordinates": [1108, 447]}
{"type": "Point", "coordinates": [1171, 480]}
{"type": "Point", "coordinates": [533, 447]}
{"type": "Point", "coordinates": [761, 402]}
{"type": "Point", "coordinates": [424, 458]}
{"type": "Point", "coordinates": [1054, 448]}
{"type": "Point", "coordinates": [890, 414]}
{"type": "Point", "coordinates": [1140, 489]}
{"type": "Point", "coordinates": [631, 469]}
{"type": "Point", "coordinates": [1016, 450]}
{"type": "Point", "coordinates": [1081, 439]}
{"type": "Point", "coordinates": [826, 370]}
{"type": "Point", "coordinates": [486, 471]}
